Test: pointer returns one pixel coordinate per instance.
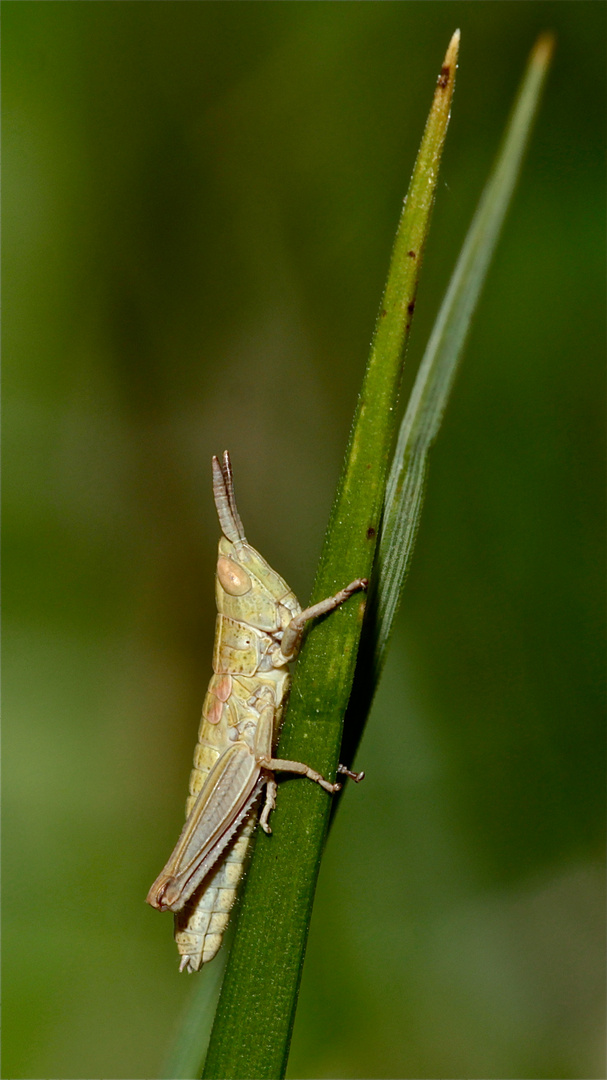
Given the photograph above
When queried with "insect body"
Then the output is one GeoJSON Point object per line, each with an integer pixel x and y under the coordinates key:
{"type": "Point", "coordinates": [258, 632]}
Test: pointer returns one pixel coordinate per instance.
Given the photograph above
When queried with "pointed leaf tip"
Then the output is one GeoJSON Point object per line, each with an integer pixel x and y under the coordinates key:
{"type": "Point", "coordinates": [454, 43]}
{"type": "Point", "coordinates": [543, 49]}
{"type": "Point", "coordinates": [446, 77]}
{"type": "Point", "coordinates": [453, 50]}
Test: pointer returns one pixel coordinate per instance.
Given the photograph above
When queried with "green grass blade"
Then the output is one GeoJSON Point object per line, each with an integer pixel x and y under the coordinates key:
{"type": "Point", "coordinates": [404, 494]}
{"type": "Point", "coordinates": [254, 1020]}
{"type": "Point", "coordinates": [405, 488]}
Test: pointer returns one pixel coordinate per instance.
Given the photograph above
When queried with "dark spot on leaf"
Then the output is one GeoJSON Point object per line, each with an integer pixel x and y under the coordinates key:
{"type": "Point", "coordinates": [384, 312]}
{"type": "Point", "coordinates": [370, 532]}
{"type": "Point", "coordinates": [412, 254]}
{"type": "Point", "coordinates": [443, 79]}
{"type": "Point", "coordinates": [411, 307]}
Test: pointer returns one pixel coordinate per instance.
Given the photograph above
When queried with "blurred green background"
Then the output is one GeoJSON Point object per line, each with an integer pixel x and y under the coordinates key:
{"type": "Point", "coordinates": [199, 205]}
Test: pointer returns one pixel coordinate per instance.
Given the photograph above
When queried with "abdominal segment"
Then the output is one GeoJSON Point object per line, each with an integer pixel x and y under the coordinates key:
{"type": "Point", "coordinates": [201, 924]}
{"type": "Point", "coordinates": [231, 705]}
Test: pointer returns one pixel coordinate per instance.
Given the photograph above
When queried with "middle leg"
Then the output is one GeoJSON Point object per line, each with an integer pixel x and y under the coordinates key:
{"type": "Point", "coordinates": [283, 765]}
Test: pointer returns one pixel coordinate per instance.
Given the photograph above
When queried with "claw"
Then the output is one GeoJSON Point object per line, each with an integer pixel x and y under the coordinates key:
{"type": "Point", "coordinates": [355, 776]}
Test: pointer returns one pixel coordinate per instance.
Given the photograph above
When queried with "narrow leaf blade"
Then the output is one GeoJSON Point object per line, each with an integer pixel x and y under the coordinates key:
{"type": "Point", "coordinates": [405, 487]}
{"type": "Point", "coordinates": [255, 1015]}
{"type": "Point", "coordinates": [422, 420]}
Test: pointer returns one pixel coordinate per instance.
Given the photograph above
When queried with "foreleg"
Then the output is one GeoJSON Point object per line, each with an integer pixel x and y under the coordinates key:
{"type": "Point", "coordinates": [293, 632]}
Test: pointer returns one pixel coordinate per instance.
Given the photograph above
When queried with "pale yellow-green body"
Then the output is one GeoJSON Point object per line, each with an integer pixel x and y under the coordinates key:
{"type": "Point", "coordinates": [258, 632]}
{"type": "Point", "coordinates": [244, 638]}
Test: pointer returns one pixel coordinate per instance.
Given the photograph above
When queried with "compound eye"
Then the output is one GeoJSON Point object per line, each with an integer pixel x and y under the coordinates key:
{"type": "Point", "coordinates": [232, 578]}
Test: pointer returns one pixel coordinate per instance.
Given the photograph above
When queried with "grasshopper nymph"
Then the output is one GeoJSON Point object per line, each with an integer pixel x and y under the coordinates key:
{"type": "Point", "coordinates": [258, 633]}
